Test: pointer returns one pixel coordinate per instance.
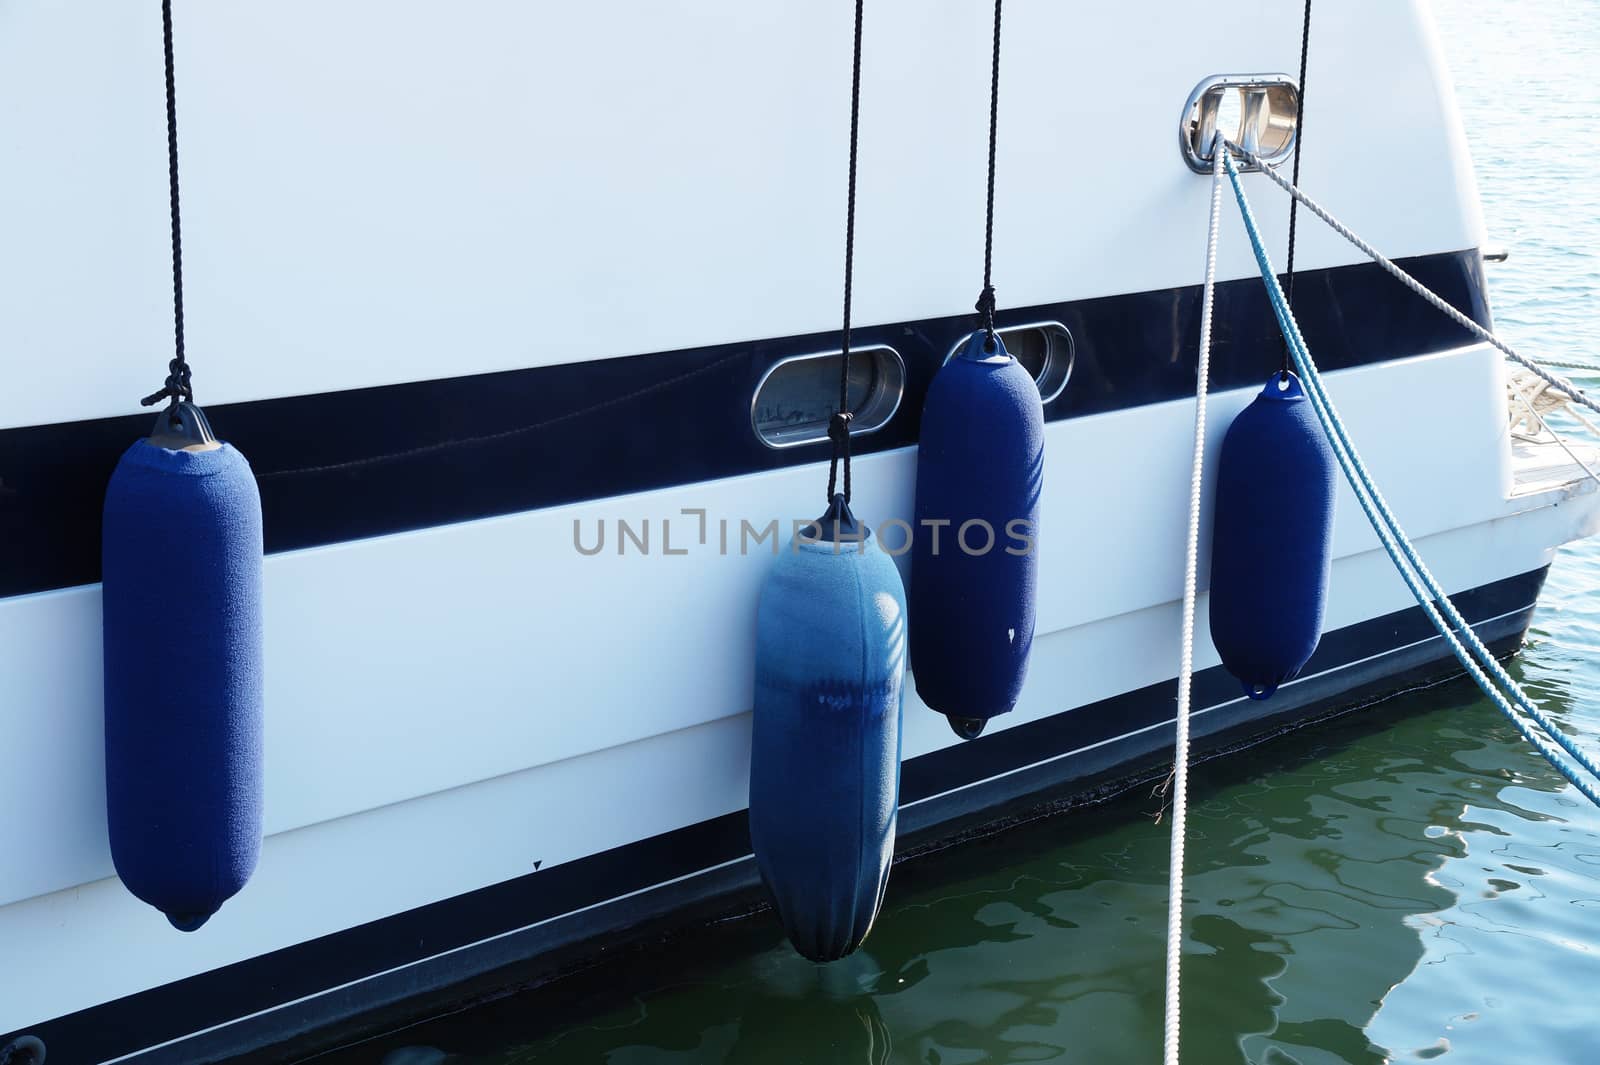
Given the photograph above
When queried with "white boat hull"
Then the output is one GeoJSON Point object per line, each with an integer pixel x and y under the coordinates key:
{"type": "Point", "coordinates": [483, 743]}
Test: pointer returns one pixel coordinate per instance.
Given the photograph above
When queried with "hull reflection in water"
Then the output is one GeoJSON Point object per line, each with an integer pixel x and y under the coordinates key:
{"type": "Point", "coordinates": [803, 1005]}
{"type": "Point", "coordinates": [1324, 869]}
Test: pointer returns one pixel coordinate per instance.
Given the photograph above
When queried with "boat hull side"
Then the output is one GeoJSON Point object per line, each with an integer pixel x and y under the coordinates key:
{"type": "Point", "coordinates": [312, 994]}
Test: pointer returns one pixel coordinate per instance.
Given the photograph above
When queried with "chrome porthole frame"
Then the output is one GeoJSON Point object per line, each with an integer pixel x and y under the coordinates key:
{"type": "Point", "coordinates": [1061, 355]}
{"type": "Point", "coordinates": [877, 411]}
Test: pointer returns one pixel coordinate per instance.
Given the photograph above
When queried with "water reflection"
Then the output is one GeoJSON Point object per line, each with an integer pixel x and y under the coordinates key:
{"type": "Point", "coordinates": [827, 1009]}
{"type": "Point", "coordinates": [1303, 884]}
{"type": "Point", "coordinates": [1324, 871]}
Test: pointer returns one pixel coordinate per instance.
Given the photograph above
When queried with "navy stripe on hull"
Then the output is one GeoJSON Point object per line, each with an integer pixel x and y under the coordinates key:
{"type": "Point", "coordinates": [1154, 704]}
{"type": "Point", "coordinates": [345, 465]}
{"type": "Point", "coordinates": [170, 1012]}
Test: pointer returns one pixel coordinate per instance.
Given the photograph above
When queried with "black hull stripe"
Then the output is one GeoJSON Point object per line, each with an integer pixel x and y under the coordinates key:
{"type": "Point", "coordinates": [346, 465]}
{"type": "Point", "coordinates": [1152, 705]}
{"type": "Point", "coordinates": [162, 1014]}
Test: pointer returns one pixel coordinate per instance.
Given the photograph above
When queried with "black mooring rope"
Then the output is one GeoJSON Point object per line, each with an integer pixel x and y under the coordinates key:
{"type": "Point", "coordinates": [1299, 139]}
{"type": "Point", "coordinates": [986, 302]}
{"type": "Point", "coordinates": [178, 377]}
{"type": "Point", "coordinates": [839, 425]}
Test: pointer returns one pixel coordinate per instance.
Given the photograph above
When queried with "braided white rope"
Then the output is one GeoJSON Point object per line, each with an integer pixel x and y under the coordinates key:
{"type": "Point", "coordinates": [1447, 620]}
{"type": "Point", "coordinates": [1552, 399]}
{"type": "Point", "coordinates": [1556, 380]}
{"type": "Point", "coordinates": [1191, 567]}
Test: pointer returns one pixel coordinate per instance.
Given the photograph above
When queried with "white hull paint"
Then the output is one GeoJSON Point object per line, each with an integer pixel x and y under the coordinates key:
{"type": "Point", "coordinates": [374, 193]}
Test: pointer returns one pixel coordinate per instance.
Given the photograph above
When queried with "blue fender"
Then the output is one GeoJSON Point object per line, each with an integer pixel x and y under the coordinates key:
{"type": "Point", "coordinates": [1272, 538]}
{"type": "Point", "coordinates": [825, 743]}
{"type": "Point", "coordinates": [981, 461]}
{"type": "Point", "coordinates": [181, 560]}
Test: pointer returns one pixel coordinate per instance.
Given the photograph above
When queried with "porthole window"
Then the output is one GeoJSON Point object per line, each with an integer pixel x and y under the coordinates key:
{"type": "Point", "coordinates": [797, 397]}
{"type": "Point", "coordinates": [1043, 348]}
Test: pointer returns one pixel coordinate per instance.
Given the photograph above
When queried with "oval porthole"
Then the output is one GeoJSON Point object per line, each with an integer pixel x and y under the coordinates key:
{"type": "Point", "coordinates": [797, 396]}
{"type": "Point", "coordinates": [1044, 349]}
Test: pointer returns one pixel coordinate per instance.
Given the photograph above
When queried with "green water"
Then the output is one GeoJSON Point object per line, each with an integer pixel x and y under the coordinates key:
{"type": "Point", "coordinates": [1411, 883]}
{"type": "Point", "coordinates": [1406, 883]}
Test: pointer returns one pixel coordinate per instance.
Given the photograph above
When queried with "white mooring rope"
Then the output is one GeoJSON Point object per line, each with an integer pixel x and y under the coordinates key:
{"type": "Point", "coordinates": [1504, 692]}
{"type": "Point", "coordinates": [1539, 399]}
{"type": "Point", "coordinates": [1578, 395]}
{"type": "Point", "coordinates": [1191, 567]}
{"type": "Point", "coordinates": [1180, 774]}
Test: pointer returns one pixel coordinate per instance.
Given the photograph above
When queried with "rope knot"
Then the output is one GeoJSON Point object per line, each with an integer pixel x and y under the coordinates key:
{"type": "Point", "coordinates": [839, 428]}
{"type": "Point", "coordinates": [839, 435]}
{"type": "Point", "coordinates": [177, 386]}
{"type": "Point", "coordinates": [985, 308]}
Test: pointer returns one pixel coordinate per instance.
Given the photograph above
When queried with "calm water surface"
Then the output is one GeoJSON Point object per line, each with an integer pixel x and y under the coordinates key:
{"type": "Point", "coordinates": [1410, 884]}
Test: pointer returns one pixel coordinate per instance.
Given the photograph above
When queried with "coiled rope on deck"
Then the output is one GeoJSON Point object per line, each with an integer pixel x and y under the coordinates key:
{"type": "Point", "coordinates": [1191, 568]}
{"type": "Point", "coordinates": [1468, 649]}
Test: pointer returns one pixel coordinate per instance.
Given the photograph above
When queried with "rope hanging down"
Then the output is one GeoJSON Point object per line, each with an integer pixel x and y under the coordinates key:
{"type": "Point", "coordinates": [1191, 567]}
{"type": "Point", "coordinates": [177, 386]}
{"type": "Point", "coordinates": [839, 424]}
{"type": "Point", "coordinates": [986, 302]}
{"type": "Point", "coordinates": [1578, 395]}
{"type": "Point", "coordinates": [1299, 138]}
{"type": "Point", "coordinates": [1468, 649]}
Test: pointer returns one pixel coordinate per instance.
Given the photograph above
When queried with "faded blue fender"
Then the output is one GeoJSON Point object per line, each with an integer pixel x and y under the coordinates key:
{"type": "Point", "coordinates": [825, 744]}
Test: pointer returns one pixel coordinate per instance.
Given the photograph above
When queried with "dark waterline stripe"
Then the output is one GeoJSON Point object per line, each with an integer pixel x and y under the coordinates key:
{"type": "Point", "coordinates": [161, 1014]}
{"type": "Point", "coordinates": [345, 465]}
